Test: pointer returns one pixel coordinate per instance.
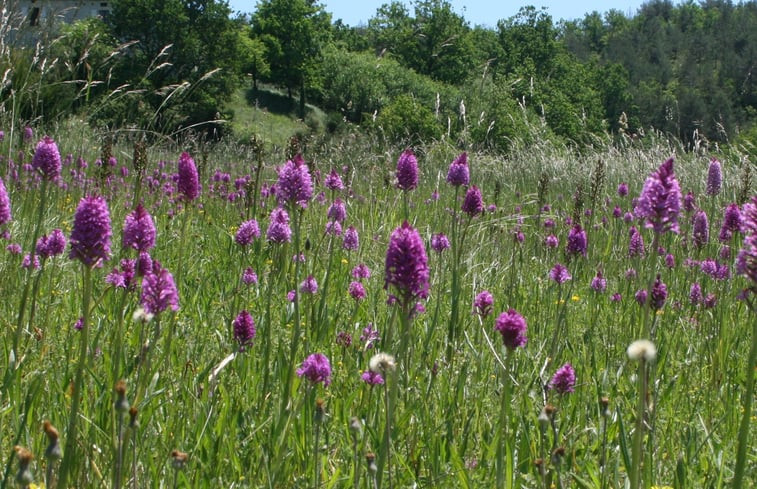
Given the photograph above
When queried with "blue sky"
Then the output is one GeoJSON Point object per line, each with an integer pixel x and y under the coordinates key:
{"type": "Point", "coordinates": [477, 12]}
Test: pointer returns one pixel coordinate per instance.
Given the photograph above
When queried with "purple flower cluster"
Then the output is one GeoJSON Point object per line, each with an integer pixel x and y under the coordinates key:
{"type": "Point", "coordinates": [46, 159]}
{"type": "Point", "coordinates": [512, 326]}
{"type": "Point", "coordinates": [159, 290]}
{"type": "Point", "coordinates": [90, 237]}
{"type": "Point", "coordinates": [5, 204]}
{"type": "Point", "coordinates": [295, 184]}
{"type": "Point", "coordinates": [309, 285]}
{"type": "Point", "coordinates": [30, 261]}
{"type": "Point", "coordinates": [659, 294]}
{"type": "Point", "coordinates": [188, 180]}
{"type": "Point", "coordinates": [746, 262]}
{"type": "Point", "coordinates": [695, 294]}
{"type": "Point", "coordinates": [635, 243]}
{"type": "Point", "coordinates": [564, 380]}
{"type": "Point", "coordinates": [316, 368]}
{"type": "Point", "coordinates": [701, 229]}
{"type": "Point", "coordinates": [351, 239]}
{"type": "Point", "coordinates": [641, 296]}
{"type": "Point", "coordinates": [577, 243]}
{"type": "Point", "coordinates": [439, 242]}
{"type": "Point", "coordinates": [406, 267]}
{"type": "Point", "coordinates": [473, 204]}
{"type": "Point", "coordinates": [458, 173]}
{"type": "Point", "coordinates": [123, 277]}
{"type": "Point", "coordinates": [714, 177]}
{"type": "Point", "coordinates": [361, 271]}
{"type": "Point", "coordinates": [369, 337]}
{"type": "Point", "coordinates": [278, 227]}
{"type": "Point", "coordinates": [483, 303]}
{"type": "Point", "coordinates": [144, 264]}
{"type": "Point", "coordinates": [372, 378]}
{"type": "Point", "coordinates": [560, 274]}
{"type": "Point", "coordinates": [598, 283]}
{"type": "Point", "coordinates": [51, 245]}
{"type": "Point", "coordinates": [407, 171]}
{"type": "Point", "coordinates": [244, 329]}
{"type": "Point", "coordinates": [343, 339]}
{"type": "Point", "coordinates": [247, 232]}
{"type": "Point", "coordinates": [139, 230]}
{"type": "Point", "coordinates": [333, 181]}
{"type": "Point", "coordinates": [356, 291]}
{"type": "Point", "coordinates": [660, 200]}
{"type": "Point", "coordinates": [249, 276]}
{"type": "Point", "coordinates": [731, 223]}
{"type": "Point", "coordinates": [337, 211]}
{"type": "Point", "coordinates": [333, 228]}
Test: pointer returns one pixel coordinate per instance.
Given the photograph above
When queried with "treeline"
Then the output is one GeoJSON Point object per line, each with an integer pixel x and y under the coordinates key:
{"type": "Point", "coordinates": [412, 73]}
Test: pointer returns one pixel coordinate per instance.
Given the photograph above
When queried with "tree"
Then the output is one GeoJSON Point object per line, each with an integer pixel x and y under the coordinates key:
{"type": "Point", "coordinates": [548, 77]}
{"type": "Point", "coordinates": [529, 40]}
{"type": "Point", "coordinates": [436, 42]}
{"type": "Point", "coordinates": [391, 31]}
{"type": "Point", "coordinates": [444, 47]}
{"type": "Point", "coordinates": [254, 56]}
{"type": "Point", "coordinates": [186, 59]}
{"type": "Point", "coordinates": [294, 33]}
{"type": "Point", "coordinates": [487, 52]}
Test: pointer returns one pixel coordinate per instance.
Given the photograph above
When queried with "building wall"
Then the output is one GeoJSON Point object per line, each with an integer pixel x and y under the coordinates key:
{"type": "Point", "coordinates": [36, 11]}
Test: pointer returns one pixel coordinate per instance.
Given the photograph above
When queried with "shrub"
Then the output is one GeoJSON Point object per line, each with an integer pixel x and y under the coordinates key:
{"type": "Point", "coordinates": [405, 119]}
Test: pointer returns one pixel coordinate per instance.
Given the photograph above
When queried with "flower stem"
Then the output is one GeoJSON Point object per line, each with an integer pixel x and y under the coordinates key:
{"type": "Point", "coordinates": [388, 433]}
{"type": "Point", "coordinates": [738, 476]}
{"type": "Point", "coordinates": [504, 416]}
{"type": "Point", "coordinates": [638, 436]}
{"type": "Point", "coordinates": [69, 455]}
{"type": "Point", "coordinates": [27, 283]}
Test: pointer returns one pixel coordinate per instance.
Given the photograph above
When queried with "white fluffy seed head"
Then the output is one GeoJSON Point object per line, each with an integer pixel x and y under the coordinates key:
{"type": "Point", "coordinates": [642, 349]}
{"type": "Point", "coordinates": [140, 315]}
{"type": "Point", "coordinates": [381, 363]}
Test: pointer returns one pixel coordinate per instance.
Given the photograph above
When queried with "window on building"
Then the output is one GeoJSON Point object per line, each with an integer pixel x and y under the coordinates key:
{"type": "Point", "coordinates": [34, 16]}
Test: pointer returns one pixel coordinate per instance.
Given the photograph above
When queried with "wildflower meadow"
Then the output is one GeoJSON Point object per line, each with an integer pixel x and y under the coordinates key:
{"type": "Point", "coordinates": [360, 316]}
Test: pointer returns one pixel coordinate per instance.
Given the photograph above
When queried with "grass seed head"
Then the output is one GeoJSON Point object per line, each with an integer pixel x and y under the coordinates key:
{"type": "Point", "coordinates": [642, 349]}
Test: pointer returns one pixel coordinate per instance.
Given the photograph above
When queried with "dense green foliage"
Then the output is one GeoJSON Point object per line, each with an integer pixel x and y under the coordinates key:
{"type": "Point", "coordinates": [685, 70]}
{"type": "Point", "coordinates": [690, 68]}
{"type": "Point", "coordinates": [187, 60]}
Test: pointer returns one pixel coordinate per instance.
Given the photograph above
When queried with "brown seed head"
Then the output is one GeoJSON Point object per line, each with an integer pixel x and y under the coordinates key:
{"type": "Point", "coordinates": [133, 411]}
{"type": "Point", "coordinates": [50, 430]}
{"type": "Point", "coordinates": [319, 410]}
{"type": "Point", "coordinates": [24, 455]}
{"type": "Point", "coordinates": [179, 459]}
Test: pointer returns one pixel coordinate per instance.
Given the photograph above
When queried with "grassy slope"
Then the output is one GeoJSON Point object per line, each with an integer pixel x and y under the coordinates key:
{"type": "Point", "coordinates": [269, 114]}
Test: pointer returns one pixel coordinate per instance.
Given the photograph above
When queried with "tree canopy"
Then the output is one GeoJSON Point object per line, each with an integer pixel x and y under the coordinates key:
{"type": "Point", "coordinates": [685, 69]}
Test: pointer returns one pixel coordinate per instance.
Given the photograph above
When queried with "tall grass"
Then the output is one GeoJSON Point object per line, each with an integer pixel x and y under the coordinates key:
{"type": "Point", "coordinates": [240, 426]}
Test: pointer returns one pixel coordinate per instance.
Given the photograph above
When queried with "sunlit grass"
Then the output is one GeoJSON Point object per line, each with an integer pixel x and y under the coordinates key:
{"type": "Point", "coordinates": [241, 429]}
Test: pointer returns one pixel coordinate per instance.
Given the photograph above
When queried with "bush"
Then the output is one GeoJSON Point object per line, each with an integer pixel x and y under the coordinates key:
{"type": "Point", "coordinates": [496, 121]}
{"type": "Point", "coordinates": [356, 84]}
{"type": "Point", "coordinates": [406, 120]}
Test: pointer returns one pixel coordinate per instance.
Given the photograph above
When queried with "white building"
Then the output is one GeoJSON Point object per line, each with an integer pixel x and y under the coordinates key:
{"type": "Point", "coordinates": [36, 11]}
